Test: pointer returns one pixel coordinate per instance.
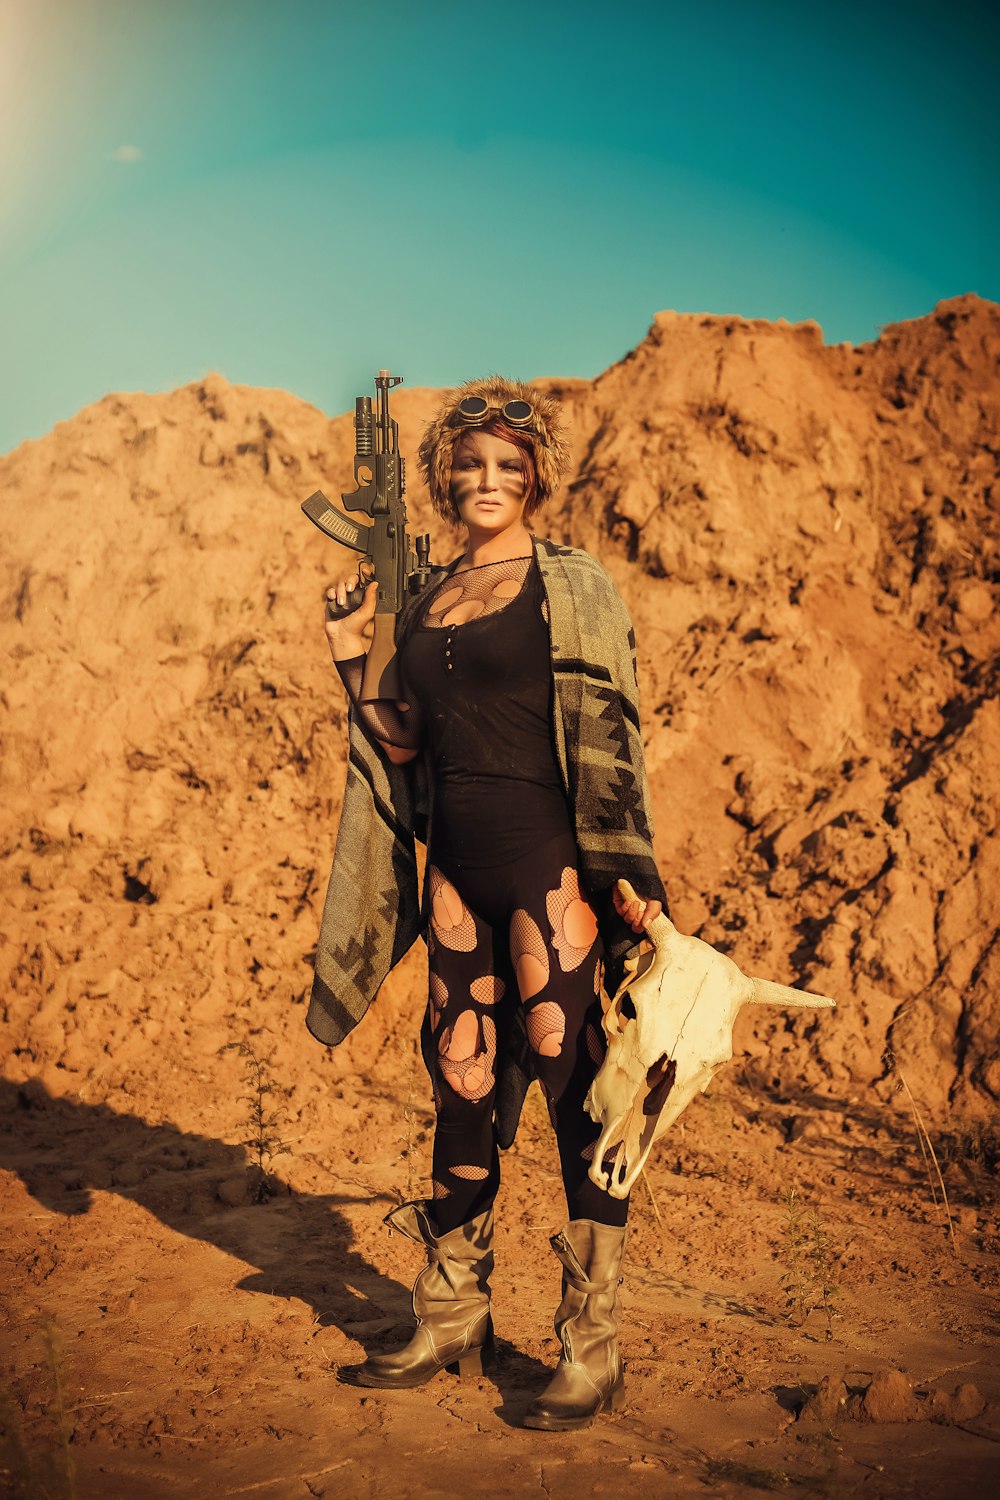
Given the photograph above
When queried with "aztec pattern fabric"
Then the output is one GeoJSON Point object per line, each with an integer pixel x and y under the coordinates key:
{"type": "Point", "coordinates": [373, 911]}
{"type": "Point", "coordinates": [599, 734]}
{"type": "Point", "coordinates": [371, 916]}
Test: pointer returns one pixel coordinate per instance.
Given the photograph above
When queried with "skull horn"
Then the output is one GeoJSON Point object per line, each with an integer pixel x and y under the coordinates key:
{"type": "Point", "coordinates": [768, 992]}
{"type": "Point", "coordinates": [660, 927]}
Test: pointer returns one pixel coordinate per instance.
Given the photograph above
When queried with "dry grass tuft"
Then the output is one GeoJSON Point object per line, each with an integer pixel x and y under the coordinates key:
{"type": "Point", "coordinates": [263, 1121]}
{"type": "Point", "coordinates": [935, 1180]}
{"type": "Point", "coordinates": [47, 1469]}
{"type": "Point", "coordinates": [809, 1263]}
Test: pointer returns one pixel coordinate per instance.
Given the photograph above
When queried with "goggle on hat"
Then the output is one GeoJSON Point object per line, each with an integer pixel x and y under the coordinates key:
{"type": "Point", "coordinates": [472, 405]}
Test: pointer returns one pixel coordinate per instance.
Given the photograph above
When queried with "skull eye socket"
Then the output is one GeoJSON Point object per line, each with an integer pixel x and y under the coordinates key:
{"type": "Point", "coordinates": [645, 959]}
{"type": "Point", "coordinates": [659, 1082]}
{"type": "Point", "coordinates": [626, 1008]}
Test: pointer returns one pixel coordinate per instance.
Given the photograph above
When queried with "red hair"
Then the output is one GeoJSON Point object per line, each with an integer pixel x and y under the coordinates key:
{"type": "Point", "coordinates": [497, 427]}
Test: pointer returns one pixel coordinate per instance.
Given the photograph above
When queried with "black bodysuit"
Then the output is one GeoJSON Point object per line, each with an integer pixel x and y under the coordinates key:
{"type": "Point", "coordinates": [509, 922]}
{"type": "Point", "coordinates": [485, 693]}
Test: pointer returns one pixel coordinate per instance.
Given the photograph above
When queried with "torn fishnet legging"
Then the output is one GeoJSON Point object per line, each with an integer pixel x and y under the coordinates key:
{"type": "Point", "coordinates": [383, 718]}
{"type": "Point", "coordinates": [521, 934]}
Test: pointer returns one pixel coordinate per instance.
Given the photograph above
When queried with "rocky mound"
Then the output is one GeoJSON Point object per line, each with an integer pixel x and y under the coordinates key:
{"type": "Point", "coordinates": [806, 539]}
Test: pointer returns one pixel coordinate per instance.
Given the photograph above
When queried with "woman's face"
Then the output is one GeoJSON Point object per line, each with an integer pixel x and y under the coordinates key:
{"type": "Point", "coordinates": [487, 482]}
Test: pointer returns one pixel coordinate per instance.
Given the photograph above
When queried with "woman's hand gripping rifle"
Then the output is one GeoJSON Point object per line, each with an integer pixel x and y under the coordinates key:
{"type": "Point", "coordinates": [388, 568]}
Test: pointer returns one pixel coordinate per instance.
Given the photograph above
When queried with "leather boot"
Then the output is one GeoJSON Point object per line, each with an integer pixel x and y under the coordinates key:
{"type": "Point", "coordinates": [451, 1302]}
{"type": "Point", "coordinates": [589, 1377]}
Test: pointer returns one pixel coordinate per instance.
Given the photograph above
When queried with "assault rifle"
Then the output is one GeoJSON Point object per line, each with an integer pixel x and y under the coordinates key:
{"type": "Point", "coordinates": [381, 540]}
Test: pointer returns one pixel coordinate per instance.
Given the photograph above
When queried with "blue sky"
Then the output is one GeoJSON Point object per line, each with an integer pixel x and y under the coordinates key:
{"type": "Point", "coordinates": [297, 194]}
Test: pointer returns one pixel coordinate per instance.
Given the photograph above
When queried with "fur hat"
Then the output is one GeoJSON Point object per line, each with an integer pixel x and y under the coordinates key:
{"type": "Point", "coordinates": [544, 433]}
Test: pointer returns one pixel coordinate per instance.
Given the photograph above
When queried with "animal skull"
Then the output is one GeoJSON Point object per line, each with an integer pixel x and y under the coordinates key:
{"type": "Point", "coordinates": [669, 1030]}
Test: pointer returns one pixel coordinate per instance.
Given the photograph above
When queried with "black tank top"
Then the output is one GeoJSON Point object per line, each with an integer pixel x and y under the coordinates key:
{"type": "Point", "coordinates": [478, 663]}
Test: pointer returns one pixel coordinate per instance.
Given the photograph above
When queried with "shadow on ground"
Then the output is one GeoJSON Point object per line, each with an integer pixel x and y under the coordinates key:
{"type": "Point", "coordinates": [302, 1245]}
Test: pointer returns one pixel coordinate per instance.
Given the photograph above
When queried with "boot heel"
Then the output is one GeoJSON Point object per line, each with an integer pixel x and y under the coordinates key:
{"type": "Point", "coordinates": [616, 1399]}
{"type": "Point", "coordinates": [470, 1364]}
{"type": "Point", "coordinates": [474, 1361]}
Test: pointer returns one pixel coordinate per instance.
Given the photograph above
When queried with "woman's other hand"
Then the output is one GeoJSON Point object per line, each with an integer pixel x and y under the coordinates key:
{"type": "Point", "coordinates": [351, 635]}
{"type": "Point", "coordinates": [638, 913]}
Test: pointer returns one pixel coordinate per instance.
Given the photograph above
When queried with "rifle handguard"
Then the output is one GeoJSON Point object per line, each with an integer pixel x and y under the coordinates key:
{"type": "Point", "coordinates": [384, 544]}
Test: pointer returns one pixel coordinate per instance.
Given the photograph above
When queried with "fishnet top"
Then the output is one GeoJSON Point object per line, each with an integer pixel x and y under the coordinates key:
{"type": "Point", "coordinates": [386, 720]}
{"type": "Point", "coordinates": [458, 599]}
{"type": "Point", "coordinates": [477, 592]}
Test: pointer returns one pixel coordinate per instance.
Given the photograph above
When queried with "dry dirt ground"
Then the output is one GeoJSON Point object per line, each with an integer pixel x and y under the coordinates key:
{"type": "Point", "coordinates": [165, 1342]}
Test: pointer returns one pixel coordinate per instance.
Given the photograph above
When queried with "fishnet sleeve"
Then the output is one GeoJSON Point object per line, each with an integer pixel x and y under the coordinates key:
{"type": "Point", "coordinates": [402, 728]}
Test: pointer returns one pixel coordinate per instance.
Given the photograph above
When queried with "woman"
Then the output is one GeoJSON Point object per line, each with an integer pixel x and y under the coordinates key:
{"type": "Point", "coordinates": [517, 753]}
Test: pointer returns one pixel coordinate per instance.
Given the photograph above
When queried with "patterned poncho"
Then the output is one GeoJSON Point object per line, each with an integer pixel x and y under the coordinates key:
{"type": "Point", "coordinates": [374, 912]}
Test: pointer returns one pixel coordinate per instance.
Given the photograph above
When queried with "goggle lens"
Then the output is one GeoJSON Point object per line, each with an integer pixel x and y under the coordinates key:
{"type": "Point", "coordinates": [476, 409]}
{"type": "Point", "coordinates": [473, 409]}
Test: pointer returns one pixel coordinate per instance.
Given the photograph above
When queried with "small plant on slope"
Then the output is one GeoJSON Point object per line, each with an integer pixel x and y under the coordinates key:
{"type": "Point", "coordinates": [263, 1140]}
{"type": "Point", "coordinates": [809, 1263]}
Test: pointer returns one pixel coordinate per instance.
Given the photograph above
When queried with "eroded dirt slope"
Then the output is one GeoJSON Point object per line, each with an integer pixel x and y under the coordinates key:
{"type": "Point", "coordinates": [805, 537]}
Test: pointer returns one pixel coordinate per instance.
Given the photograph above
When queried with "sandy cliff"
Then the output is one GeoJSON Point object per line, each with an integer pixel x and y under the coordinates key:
{"type": "Point", "coordinates": [806, 537]}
